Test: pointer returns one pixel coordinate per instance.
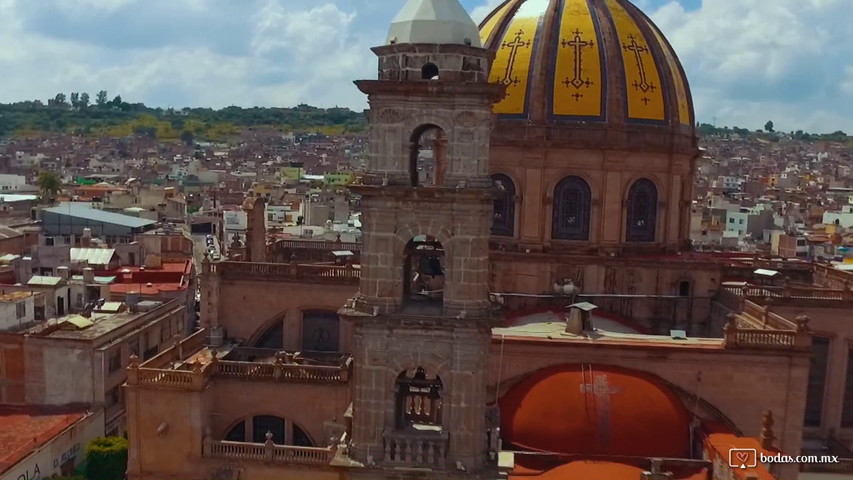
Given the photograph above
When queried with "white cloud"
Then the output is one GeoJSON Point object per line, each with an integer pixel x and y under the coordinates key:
{"type": "Point", "coordinates": [748, 61]}
{"type": "Point", "coordinates": [479, 13]}
{"type": "Point", "coordinates": [752, 60]}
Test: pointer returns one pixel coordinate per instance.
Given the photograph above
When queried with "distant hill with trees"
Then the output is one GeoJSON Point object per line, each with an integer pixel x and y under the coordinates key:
{"type": "Point", "coordinates": [769, 133]}
{"type": "Point", "coordinates": [77, 114]}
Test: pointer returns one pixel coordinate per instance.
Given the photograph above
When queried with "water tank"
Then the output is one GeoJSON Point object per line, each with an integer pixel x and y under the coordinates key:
{"type": "Point", "coordinates": [132, 301]}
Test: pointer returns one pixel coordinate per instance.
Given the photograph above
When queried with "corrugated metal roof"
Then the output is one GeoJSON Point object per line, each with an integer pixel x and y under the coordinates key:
{"type": "Point", "coordinates": [101, 280]}
{"type": "Point", "coordinates": [92, 256]}
{"type": "Point", "coordinates": [39, 280]}
{"type": "Point", "coordinates": [79, 321]}
{"type": "Point", "coordinates": [85, 210]}
{"type": "Point", "coordinates": [112, 307]}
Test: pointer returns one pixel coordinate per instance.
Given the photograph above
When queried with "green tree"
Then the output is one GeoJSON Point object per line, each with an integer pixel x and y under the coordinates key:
{"type": "Point", "coordinates": [59, 100]}
{"type": "Point", "coordinates": [116, 101]}
{"type": "Point", "coordinates": [49, 186]}
{"type": "Point", "coordinates": [101, 99]}
{"type": "Point", "coordinates": [84, 100]}
{"type": "Point", "coordinates": [187, 137]}
{"type": "Point", "coordinates": [106, 458]}
{"type": "Point", "coordinates": [75, 99]}
{"type": "Point", "coordinates": [769, 126]}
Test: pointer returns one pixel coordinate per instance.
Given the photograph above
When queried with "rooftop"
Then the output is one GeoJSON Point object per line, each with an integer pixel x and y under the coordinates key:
{"type": "Point", "coordinates": [71, 327]}
{"type": "Point", "coordinates": [14, 296]}
{"type": "Point", "coordinates": [548, 323]}
{"type": "Point", "coordinates": [85, 211]}
{"type": "Point", "coordinates": [92, 256]}
{"type": "Point", "coordinates": [25, 429]}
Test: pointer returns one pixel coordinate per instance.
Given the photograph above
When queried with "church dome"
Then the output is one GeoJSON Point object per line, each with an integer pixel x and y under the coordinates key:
{"type": "Point", "coordinates": [602, 410]}
{"type": "Point", "coordinates": [599, 64]}
{"type": "Point", "coordinates": [440, 22]}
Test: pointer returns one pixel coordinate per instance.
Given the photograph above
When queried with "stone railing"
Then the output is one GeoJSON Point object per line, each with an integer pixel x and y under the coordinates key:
{"type": "Point", "coordinates": [267, 452]}
{"type": "Point", "coordinates": [318, 245]}
{"type": "Point", "coordinates": [180, 350]}
{"type": "Point", "coordinates": [283, 372]}
{"type": "Point", "coordinates": [415, 449]}
{"type": "Point", "coordinates": [780, 294]}
{"type": "Point", "coordinates": [287, 271]}
{"type": "Point", "coordinates": [198, 375]}
{"type": "Point", "coordinates": [737, 337]}
{"type": "Point", "coordinates": [829, 276]}
{"type": "Point", "coordinates": [170, 379]}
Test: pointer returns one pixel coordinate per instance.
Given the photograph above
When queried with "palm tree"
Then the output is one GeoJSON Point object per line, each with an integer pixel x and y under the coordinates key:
{"type": "Point", "coordinates": [49, 186]}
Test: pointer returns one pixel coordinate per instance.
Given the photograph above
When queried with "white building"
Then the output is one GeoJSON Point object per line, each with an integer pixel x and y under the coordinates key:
{"type": "Point", "coordinates": [17, 310]}
{"type": "Point", "coordinates": [844, 218]}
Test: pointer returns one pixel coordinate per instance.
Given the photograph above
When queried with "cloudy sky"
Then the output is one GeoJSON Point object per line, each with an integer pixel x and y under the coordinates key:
{"type": "Point", "coordinates": [748, 61]}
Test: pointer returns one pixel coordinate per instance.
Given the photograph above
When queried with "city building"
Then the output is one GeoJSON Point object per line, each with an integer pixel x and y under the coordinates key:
{"type": "Point", "coordinates": [495, 304]}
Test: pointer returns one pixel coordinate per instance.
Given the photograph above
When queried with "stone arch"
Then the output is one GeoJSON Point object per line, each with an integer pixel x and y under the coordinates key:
{"type": "Point", "coordinates": [404, 256]}
{"type": "Point", "coordinates": [439, 162]}
{"type": "Point", "coordinates": [504, 221]}
{"type": "Point", "coordinates": [433, 363]}
{"type": "Point", "coordinates": [692, 402]}
{"type": "Point", "coordinates": [429, 71]}
{"type": "Point", "coordinates": [266, 331]}
{"type": "Point", "coordinates": [289, 425]}
{"type": "Point", "coordinates": [642, 212]}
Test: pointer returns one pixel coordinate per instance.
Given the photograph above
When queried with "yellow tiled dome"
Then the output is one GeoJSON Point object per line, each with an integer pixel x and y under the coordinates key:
{"type": "Point", "coordinates": [585, 61]}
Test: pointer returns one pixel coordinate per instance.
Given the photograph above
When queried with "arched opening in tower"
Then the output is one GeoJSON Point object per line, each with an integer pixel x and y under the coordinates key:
{"type": "Point", "coordinates": [418, 403]}
{"type": "Point", "coordinates": [427, 156]}
{"type": "Point", "coordinates": [423, 273]}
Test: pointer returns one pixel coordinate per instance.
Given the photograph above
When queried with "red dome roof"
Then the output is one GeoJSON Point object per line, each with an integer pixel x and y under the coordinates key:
{"type": "Point", "coordinates": [589, 470]}
{"type": "Point", "coordinates": [601, 410]}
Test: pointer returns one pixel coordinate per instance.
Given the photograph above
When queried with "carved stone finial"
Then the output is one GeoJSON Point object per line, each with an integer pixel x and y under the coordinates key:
{"type": "Point", "coordinates": [134, 361]}
{"type": "Point", "coordinates": [268, 437]}
{"type": "Point", "coordinates": [206, 259]}
{"type": "Point", "coordinates": [731, 324]}
{"type": "Point", "coordinates": [207, 433]}
{"type": "Point", "coordinates": [803, 323]}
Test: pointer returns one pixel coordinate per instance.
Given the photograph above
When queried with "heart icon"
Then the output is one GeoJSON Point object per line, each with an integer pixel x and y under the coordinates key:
{"type": "Point", "coordinates": [742, 457]}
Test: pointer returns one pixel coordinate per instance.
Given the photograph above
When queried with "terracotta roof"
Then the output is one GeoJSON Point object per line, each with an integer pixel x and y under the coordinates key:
{"type": "Point", "coordinates": [602, 410]}
{"type": "Point", "coordinates": [597, 470]}
{"type": "Point", "coordinates": [24, 429]}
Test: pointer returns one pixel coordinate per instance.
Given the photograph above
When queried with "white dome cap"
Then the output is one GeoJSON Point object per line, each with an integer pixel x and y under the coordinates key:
{"type": "Point", "coordinates": [440, 22]}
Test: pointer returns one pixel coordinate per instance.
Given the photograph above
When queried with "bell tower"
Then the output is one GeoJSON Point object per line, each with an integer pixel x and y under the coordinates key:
{"type": "Point", "coordinates": [422, 316]}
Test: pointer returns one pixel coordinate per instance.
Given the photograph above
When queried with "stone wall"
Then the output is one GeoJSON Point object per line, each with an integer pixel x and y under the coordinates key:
{"type": "Point", "coordinates": [536, 172]}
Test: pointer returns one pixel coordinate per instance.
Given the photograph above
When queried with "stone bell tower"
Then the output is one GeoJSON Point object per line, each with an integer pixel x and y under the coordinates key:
{"type": "Point", "coordinates": [422, 316]}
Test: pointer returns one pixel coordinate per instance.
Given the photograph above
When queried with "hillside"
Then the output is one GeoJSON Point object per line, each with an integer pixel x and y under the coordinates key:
{"type": "Point", "coordinates": [116, 118]}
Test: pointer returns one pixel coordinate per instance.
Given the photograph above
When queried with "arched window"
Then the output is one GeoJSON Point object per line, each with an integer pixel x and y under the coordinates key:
{"type": "Point", "coordinates": [429, 72]}
{"type": "Point", "coordinates": [642, 211]}
{"type": "Point", "coordinates": [273, 338]}
{"type": "Point", "coordinates": [572, 199]}
{"type": "Point", "coordinates": [418, 399]}
{"type": "Point", "coordinates": [423, 271]}
{"type": "Point", "coordinates": [427, 156]}
{"type": "Point", "coordinates": [503, 223]}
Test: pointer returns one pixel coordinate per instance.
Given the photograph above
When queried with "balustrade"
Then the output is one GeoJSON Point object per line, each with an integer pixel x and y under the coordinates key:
{"type": "Point", "coordinates": [268, 453]}
{"type": "Point", "coordinates": [198, 376]}
{"type": "Point", "coordinates": [415, 449]}
{"type": "Point", "coordinates": [284, 271]}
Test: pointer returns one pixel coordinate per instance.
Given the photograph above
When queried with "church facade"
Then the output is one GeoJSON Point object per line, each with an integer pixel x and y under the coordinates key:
{"type": "Point", "coordinates": [512, 311]}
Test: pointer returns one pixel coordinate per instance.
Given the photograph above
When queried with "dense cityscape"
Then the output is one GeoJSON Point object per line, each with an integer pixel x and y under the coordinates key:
{"type": "Point", "coordinates": [490, 273]}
